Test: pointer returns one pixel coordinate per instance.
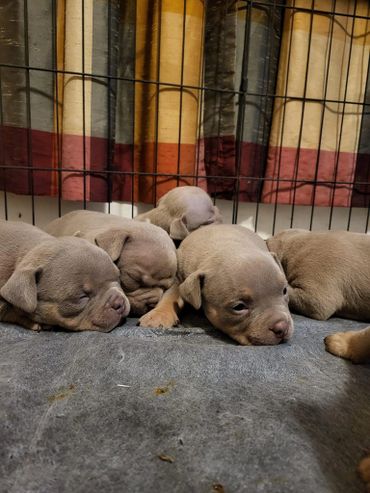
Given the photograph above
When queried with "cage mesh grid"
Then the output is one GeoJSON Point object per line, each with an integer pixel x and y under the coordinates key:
{"type": "Point", "coordinates": [241, 94]}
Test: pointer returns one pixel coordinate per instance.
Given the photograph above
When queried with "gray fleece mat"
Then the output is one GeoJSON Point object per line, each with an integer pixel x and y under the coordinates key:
{"type": "Point", "coordinates": [183, 410]}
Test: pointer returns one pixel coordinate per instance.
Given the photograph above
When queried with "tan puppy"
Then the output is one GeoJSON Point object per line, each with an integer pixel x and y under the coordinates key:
{"type": "Point", "coordinates": [144, 253]}
{"type": "Point", "coordinates": [66, 282]}
{"type": "Point", "coordinates": [183, 210]}
{"type": "Point", "coordinates": [228, 271]}
{"type": "Point", "coordinates": [328, 272]}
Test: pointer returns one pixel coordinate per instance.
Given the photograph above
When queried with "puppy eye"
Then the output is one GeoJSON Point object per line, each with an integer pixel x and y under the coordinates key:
{"type": "Point", "coordinates": [84, 297]}
{"type": "Point", "coordinates": [285, 290]}
{"type": "Point", "coordinates": [239, 307]}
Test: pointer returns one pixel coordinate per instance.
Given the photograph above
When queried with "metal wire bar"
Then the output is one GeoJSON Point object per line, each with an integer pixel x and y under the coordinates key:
{"type": "Point", "coordinates": [99, 76]}
{"type": "Point", "coordinates": [133, 118]}
{"type": "Point", "coordinates": [2, 150]}
{"type": "Point", "coordinates": [265, 93]}
{"type": "Point", "coordinates": [110, 142]}
{"type": "Point", "coordinates": [342, 120]}
{"type": "Point", "coordinates": [158, 74]}
{"type": "Point", "coordinates": [362, 122]}
{"type": "Point", "coordinates": [182, 175]}
{"type": "Point", "coordinates": [266, 129]}
{"type": "Point", "coordinates": [181, 89]}
{"type": "Point", "coordinates": [241, 112]}
{"type": "Point", "coordinates": [296, 166]}
{"type": "Point", "coordinates": [282, 124]}
{"type": "Point", "coordinates": [83, 75]}
{"type": "Point", "coordinates": [54, 54]}
{"type": "Point", "coordinates": [28, 108]}
{"type": "Point", "coordinates": [323, 113]}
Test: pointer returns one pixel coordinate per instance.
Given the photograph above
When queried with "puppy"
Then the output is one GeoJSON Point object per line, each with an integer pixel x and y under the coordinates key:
{"type": "Point", "coordinates": [328, 272]}
{"type": "Point", "coordinates": [144, 253]}
{"type": "Point", "coordinates": [228, 271]}
{"type": "Point", "coordinates": [183, 210]}
{"type": "Point", "coordinates": [66, 282]}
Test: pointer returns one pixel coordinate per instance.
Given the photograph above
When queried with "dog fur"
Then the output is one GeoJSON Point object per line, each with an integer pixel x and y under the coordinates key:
{"type": "Point", "coordinates": [65, 282]}
{"type": "Point", "coordinates": [353, 345]}
{"type": "Point", "coordinates": [228, 271]}
{"type": "Point", "coordinates": [328, 272]}
{"type": "Point", "coordinates": [183, 210]}
{"type": "Point", "coordinates": [144, 253]}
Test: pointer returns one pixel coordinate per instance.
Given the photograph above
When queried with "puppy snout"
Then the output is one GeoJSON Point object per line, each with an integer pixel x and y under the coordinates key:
{"type": "Point", "coordinates": [119, 303]}
{"type": "Point", "coordinates": [280, 329]}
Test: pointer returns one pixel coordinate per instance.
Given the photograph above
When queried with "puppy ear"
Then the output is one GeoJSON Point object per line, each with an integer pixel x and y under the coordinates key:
{"type": "Point", "coordinates": [21, 288]}
{"type": "Point", "coordinates": [178, 229]}
{"type": "Point", "coordinates": [191, 289]}
{"type": "Point", "coordinates": [276, 258]}
{"type": "Point", "coordinates": [112, 241]}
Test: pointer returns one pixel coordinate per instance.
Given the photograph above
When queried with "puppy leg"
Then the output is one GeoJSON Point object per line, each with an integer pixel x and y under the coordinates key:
{"type": "Point", "coordinates": [352, 345]}
{"type": "Point", "coordinates": [13, 316]}
{"type": "Point", "coordinates": [311, 303]}
{"type": "Point", "coordinates": [364, 471]}
{"type": "Point", "coordinates": [165, 314]}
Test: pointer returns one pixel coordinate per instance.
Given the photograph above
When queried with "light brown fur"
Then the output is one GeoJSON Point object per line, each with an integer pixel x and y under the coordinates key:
{"type": "Point", "coordinates": [353, 345]}
{"type": "Point", "coordinates": [65, 282]}
{"type": "Point", "coordinates": [144, 254]}
{"type": "Point", "coordinates": [364, 472]}
{"type": "Point", "coordinates": [183, 210]}
{"type": "Point", "coordinates": [228, 271]}
{"type": "Point", "coordinates": [328, 272]}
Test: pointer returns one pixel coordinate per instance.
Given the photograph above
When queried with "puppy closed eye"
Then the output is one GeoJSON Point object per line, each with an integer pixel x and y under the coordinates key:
{"type": "Point", "coordinates": [240, 307]}
{"type": "Point", "coordinates": [285, 291]}
{"type": "Point", "coordinates": [83, 299]}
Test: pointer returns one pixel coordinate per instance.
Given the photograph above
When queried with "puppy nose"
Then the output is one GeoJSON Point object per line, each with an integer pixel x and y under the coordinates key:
{"type": "Point", "coordinates": [118, 303]}
{"type": "Point", "coordinates": [280, 329]}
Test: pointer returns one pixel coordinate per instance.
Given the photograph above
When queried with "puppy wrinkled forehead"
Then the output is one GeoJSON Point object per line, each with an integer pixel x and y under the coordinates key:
{"type": "Point", "coordinates": [82, 258]}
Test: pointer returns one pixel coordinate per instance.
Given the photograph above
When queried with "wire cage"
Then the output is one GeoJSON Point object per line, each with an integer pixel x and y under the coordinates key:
{"type": "Point", "coordinates": [264, 104]}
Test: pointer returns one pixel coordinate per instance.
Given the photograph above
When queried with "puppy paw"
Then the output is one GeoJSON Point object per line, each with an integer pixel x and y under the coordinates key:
{"type": "Point", "coordinates": [344, 345]}
{"type": "Point", "coordinates": [337, 344]}
{"type": "Point", "coordinates": [159, 319]}
{"type": "Point", "coordinates": [35, 327]}
{"type": "Point", "coordinates": [364, 471]}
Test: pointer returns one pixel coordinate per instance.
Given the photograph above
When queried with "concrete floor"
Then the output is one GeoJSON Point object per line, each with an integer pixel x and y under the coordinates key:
{"type": "Point", "coordinates": [183, 410]}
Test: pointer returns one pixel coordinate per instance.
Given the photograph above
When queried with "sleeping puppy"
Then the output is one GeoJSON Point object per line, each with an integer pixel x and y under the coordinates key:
{"type": "Point", "coordinates": [144, 253]}
{"type": "Point", "coordinates": [228, 271]}
{"type": "Point", "coordinates": [328, 272]}
{"type": "Point", "coordinates": [65, 282]}
{"type": "Point", "coordinates": [183, 210]}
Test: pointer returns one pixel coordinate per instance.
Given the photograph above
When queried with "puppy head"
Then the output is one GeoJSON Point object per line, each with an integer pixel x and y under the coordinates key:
{"type": "Point", "coordinates": [146, 260]}
{"type": "Point", "coordinates": [247, 300]}
{"type": "Point", "coordinates": [194, 219]}
{"type": "Point", "coordinates": [187, 209]}
{"type": "Point", "coordinates": [69, 283]}
{"type": "Point", "coordinates": [279, 242]}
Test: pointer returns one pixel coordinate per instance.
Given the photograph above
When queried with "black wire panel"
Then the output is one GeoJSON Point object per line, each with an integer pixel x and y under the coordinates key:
{"type": "Point", "coordinates": [235, 92]}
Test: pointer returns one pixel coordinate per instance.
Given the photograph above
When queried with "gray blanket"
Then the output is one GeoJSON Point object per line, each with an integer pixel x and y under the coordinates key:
{"type": "Point", "coordinates": [182, 410]}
